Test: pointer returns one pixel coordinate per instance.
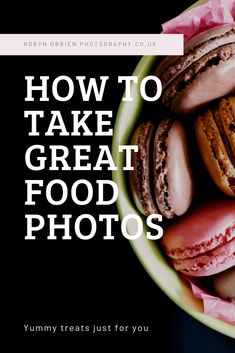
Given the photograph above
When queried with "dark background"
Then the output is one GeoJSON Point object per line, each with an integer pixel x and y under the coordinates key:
{"type": "Point", "coordinates": [82, 282]}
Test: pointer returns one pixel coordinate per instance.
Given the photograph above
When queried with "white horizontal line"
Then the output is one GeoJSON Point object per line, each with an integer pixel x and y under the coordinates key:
{"type": "Point", "coordinates": [91, 44]}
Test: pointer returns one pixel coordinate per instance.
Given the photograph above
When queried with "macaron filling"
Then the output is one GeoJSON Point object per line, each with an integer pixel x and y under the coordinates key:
{"type": "Point", "coordinates": [220, 125]}
{"type": "Point", "coordinates": [140, 177]}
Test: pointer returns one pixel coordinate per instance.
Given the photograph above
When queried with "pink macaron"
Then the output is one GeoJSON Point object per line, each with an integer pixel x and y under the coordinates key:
{"type": "Point", "coordinates": [202, 243]}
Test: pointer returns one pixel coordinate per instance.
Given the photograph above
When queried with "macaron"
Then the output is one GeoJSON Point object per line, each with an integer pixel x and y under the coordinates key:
{"type": "Point", "coordinates": [141, 173]}
{"type": "Point", "coordinates": [173, 180]}
{"type": "Point", "coordinates": [205, 72]}
{"type": "Point", "coordinates": [215, 132]}
{"type": "Point", "coordinates": [224, 284]}
{"type": "Point", "coordinates": [162, 177]}
{"type": "Point", "coordinates": [202, 243]}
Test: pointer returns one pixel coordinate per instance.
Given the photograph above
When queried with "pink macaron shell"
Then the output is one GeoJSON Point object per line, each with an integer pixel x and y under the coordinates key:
{"type": "Point", "coordinates": [203, 229]}
{"type": "Point", "coordinates": [215, 261]}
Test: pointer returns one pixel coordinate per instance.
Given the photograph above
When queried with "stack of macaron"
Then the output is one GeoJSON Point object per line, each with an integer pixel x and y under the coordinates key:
{"type": "Point", "coordinates": [200, 86]}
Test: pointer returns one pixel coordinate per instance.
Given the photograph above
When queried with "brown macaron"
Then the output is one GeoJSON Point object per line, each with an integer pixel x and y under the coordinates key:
{"type": "Point", "coordinates": [162, 177]}
{"type": "Point", "coordinates": [205, 72]}
{"type": "Point", "coordinates": [215, 132]}
{"type": "Point", "coordinates": [224, 284]}
{"type": "Point", "coordinates": [140, 176]}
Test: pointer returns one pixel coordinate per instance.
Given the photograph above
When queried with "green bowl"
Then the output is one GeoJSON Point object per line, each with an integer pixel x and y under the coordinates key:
{"type": "Point", "coordinates": [147, 250]}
